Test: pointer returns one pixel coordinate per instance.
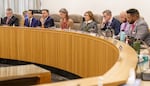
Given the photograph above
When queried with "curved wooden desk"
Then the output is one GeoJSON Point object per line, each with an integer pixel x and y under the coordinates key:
{"type": "Point", "coordinates": [78, 53]}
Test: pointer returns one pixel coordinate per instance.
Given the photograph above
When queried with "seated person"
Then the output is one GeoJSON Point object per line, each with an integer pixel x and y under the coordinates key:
{"type": "Point", "coordinates": [124, 23]}
{"type": "Point", "coordinates": [30, 21]}
{"type": "Point", "coordinates": [65, 21]}
{"type": "Point", "coordinates": [89, 25]}
{"type": "Point", "coordinates": [10, 20]}
{"type": "Point", "coordinates": [46, 21]}
{"type": "Point", "coordinates": [109, 21]}
{"type": "Point", "coordinates": [139, 28]}
{"type": "Point", "coordinates": [25, 14]}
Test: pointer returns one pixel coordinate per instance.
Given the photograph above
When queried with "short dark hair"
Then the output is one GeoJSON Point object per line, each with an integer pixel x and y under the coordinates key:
{"type": "Point", "coordinates": [133, 12]}
{"type": "Point", "coordinates": [46, 10]}
{"type": "Point", "coordinates": [31, 11]}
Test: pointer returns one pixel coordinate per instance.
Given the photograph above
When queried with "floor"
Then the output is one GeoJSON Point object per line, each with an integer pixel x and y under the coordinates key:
{"type": "Point", "coordinates": [55, 77]}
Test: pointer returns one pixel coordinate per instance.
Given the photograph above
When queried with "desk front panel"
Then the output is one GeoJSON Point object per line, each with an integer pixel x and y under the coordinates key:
{"type": "Point", "coordinates": [81, 54]}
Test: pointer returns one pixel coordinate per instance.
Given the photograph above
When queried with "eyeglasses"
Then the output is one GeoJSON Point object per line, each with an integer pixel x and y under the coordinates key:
{"type": "Point", "coordinates": [86, 15]}
{"type": "Point", "coordinates": [104, 16]}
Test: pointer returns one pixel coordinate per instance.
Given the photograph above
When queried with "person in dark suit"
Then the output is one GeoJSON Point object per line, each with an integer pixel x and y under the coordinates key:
{"type": "Point", "coordinates": [46, 21]}
{"type": "Point", "coordinates": [10, 20]}
{"type": "Point", "coordinates": [30, 21]}
{"type": "Point", "coordinates": [109, 21]}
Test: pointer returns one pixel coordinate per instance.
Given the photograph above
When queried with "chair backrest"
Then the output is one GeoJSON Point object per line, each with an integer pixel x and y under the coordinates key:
{"type": "Point", "coordinates": [20, 18]}
{"type": "Point", "coordinates": [37, 16]}
{"type": "Point", "coordinates": [117, 17]}
{"type": "Point", "coordinates": [56, 18]}
{"type": "Point", "coordinates": [77, 19]}
{"type": "Point", "coordinates": [98, 18]}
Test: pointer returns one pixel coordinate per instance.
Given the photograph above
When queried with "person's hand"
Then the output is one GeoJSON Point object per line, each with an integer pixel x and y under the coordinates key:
{"type": "Point", "coordinates": [103, 21]}
{"type": "Point", "coordinates": [42, 20]}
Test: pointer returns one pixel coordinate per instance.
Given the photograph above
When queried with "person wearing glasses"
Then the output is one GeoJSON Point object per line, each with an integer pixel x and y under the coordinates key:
{"type": "Point", "coordinates": [10, 19]}
{"type": "Point", "coordinates": [109, 21]}
{"type": "Point", "coordinates": [89, 24]}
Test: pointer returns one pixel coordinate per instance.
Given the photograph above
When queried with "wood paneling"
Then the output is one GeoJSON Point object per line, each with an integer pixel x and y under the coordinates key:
{"type": "Point", "coordinates": [80, 54]}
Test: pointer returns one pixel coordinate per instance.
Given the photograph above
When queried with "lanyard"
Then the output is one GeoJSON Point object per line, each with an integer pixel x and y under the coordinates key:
{"type": "Point", "coordinates": [133, 27]}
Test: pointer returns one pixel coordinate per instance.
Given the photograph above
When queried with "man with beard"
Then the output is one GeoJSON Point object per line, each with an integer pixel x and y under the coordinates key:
{"type": "Point", "coordinates": [139, 28]}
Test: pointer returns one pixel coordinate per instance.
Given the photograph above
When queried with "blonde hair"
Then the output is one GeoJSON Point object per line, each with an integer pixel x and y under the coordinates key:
{"type": "Point", "coordinates": [63, 10]}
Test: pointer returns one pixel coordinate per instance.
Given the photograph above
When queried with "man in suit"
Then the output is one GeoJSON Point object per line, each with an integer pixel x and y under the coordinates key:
{"type": "Point", "coordinates": [124, 23]}
{"type": "Point", "coordinates": [109, 21]}
{"type": "Point", "coordinates": [30, 21]}
{"type": "Point", "coordinates": [46, 21]}
{"type": "Point", "coordinates": [10, 20]}
{"type": "Point", "coordinates": [139, 28]}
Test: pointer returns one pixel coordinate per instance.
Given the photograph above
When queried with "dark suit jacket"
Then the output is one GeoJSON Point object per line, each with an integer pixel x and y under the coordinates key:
{"type": "Point", "coordinates": [49, 22]}
{"type": "Point", "coordinates": [34, 22]}
{"type": "Point", "coordinates": [12, 21]}
{"type": "Point", "coordinates": [1, 21]}
{"type": "Point", "coordinates": [115, 24]}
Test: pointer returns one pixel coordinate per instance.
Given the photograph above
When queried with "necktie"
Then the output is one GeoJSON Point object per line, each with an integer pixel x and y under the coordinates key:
{"type": "Point", "coordinates": [133, 27]}
{"type": "Point", "coordinates": [30, 21]}
{"type": "Point", "coordinates": [8, 19]}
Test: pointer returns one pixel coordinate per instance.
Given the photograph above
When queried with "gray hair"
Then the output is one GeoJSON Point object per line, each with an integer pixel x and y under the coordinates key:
{"type": "Point", "coordinates": [108, 12]}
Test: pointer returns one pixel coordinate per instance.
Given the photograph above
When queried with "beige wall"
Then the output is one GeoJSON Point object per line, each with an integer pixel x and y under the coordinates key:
{"type": "Point", "coordinates": [97, 6]}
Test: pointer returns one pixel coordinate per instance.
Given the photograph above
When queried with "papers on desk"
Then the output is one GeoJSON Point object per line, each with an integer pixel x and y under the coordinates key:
{"type": "Point", "coordinates": [136, 83]}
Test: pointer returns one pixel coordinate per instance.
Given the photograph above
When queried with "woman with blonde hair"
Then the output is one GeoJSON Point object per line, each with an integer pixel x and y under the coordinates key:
{"type": "Point", "coordinates": [89, 25]}
{"type": "Point", "coordinates": [65, 21]}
